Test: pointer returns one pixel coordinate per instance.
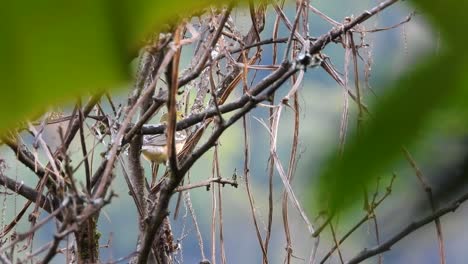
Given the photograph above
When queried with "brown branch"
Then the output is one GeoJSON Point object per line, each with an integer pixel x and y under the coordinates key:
{"type": "Point", "coordinates": [85, 152]}
{"type": "Point", "coordinates": [188, 204]}
{"type": "Point", "coordinates": [214, 205]}
{"type": "Point", "coordinates": [150, 64]}
{"type": "Point", "coordinates": [337, 244]}
{"type": "Point", "coordinates": [291, 170]}
{"type": "Point", "coordinates": [427, 188]}
{"type": "Point", "coordinates": [63, 232]}
{"type": "Point", "coordinates": [15, 221]}
{"type": "Point", "coordinates": [220, 210]}
{"type": "Point", "coordinates": [253, 100]}
{"type": "Point", "coordinates": [316, 46]}
{"type": "Point", "coordinates": [33, 229]}
{"type": "Point", "coordinates": [172, 78]}
{"type": "Point", "coordinates": [160, 212]}
{"type": "Point", "coordinates": [195, 72]}
{"type": "Point", "coordinates": [256, 44]}
{"type": "Point", "coordinates": [253, 18]}
{"type": "Point", "coordinates": [30, 194]}
{"type": "Point", "coordinates": [293, 32]}
{"type": "Point", "coordinates": [114, 150]}
{"type": "Point", "coordinates": [357, 225]}
{"type": "Point", "coordinates": [336, 32]}
{"type": "Point", "coordinates": [271, 170]}
{"type": "Point", "coordinates": [207, 184]}
{"type": "Point", "coordinates": [73, 129]}
{"type": "Point", "coordinates": [24, 156]}
{"type": "Point", "coordinates": [154, 107]}
{"type": "Point", "coordinates": [326, 65]}
{"type": "Point", "coordinates": [406, 20]}
{"type": "Point", "coordinates": [237, 104]}
{"type": "Point", "coordinates": [410, 228]}
{"type": "Point", "coordinates": [27, 192]}
{"type": "Point", "coordinates": [354, 52]}
{"type": "Point", "coordinates": [140, 208]}
{"type": "Point", "coordinates": [247, 186]}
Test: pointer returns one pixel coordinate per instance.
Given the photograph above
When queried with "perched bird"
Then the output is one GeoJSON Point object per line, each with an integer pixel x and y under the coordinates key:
{"type": "Point", "coordinates": [154, 147]}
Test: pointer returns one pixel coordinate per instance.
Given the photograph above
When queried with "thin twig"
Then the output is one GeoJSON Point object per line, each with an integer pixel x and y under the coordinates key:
{"type": "Point", "coordinates": [360, 222]}
{"type": "Point", "coordinates": [188, 204]}
{"type": "Point", "coordinates": [207, 183]}
{"type": "Point", "coordinates": [214, 205]}
{"type": "Point", "coordinates": [410, 228]}
{"type": "Point", "coordinates": [337, 244]}
{"type": "Point", "coordinates": [247, 186]}
{"type": "Point", "coordinates": [427, 188]}
{"type": "Point", "coordinates": [201, 63]}
{"type": "Point", "coordinates": [336, 32]}
{"type": "Point", "coordinates": [220, 212]}
{"type": "Point", "coordinates": [84, 151]}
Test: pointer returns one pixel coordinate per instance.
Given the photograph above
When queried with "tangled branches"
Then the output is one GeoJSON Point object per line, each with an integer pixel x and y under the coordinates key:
{"type": "Point", "coordinates": [217, 88]}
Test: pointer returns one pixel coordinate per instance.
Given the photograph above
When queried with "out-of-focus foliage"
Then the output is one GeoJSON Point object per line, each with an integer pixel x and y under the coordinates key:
{"type": "Point", "coordinates": [401, 116]}
{"type": "Point", "coordinates": [53, 50]}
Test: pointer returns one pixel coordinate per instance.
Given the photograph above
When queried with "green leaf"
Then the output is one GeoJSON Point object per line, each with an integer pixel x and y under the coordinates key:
{"type": "Point", "coordinates": [401, 116]}
{"type": "Point", "coordinates": [53, 51]}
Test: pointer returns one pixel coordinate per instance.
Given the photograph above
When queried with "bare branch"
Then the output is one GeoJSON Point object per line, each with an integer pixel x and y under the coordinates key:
{"type": "Point", "coordinates": [207, 184]}
{"type": "Point", "coordinates": [410, 228]}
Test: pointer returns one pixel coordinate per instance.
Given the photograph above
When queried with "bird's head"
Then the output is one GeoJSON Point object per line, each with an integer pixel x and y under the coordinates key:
{"type": "Point", "coordinates": [165, 117]}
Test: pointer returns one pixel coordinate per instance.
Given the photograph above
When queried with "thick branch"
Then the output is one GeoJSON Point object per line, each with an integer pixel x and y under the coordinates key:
{"type": "Point", "coordinates": [167, 190]}
{"type": "Point", "coordinates": [24, 156]}
{"type": "Point", "coordinates": [26, 191]}
{"type": "Point", "coordinates": [211, 112]}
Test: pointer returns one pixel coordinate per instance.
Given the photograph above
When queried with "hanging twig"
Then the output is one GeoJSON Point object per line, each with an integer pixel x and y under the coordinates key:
{"type": "Point", "coordinates": [247, 186]}
{"type": "Point", "coordinates": [427, 188]}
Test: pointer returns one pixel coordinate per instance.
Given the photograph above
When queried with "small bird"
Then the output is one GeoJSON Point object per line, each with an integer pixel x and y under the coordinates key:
{"type": "Point", "coordinates": [154, 147]}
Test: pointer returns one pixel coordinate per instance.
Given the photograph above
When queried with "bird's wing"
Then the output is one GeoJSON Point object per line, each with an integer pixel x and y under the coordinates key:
{"type": "Point", "coordinates": [155, 140]}
{"type": "Point", "coordinates": [161, 140]}
{"type": "Point", "coordinates": [180, 135]}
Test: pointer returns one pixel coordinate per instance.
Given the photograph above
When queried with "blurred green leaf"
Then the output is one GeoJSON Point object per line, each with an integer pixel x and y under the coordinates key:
{"type": "Point", "coordinates": [401, 116]}
{"type": "Point", "coordinates": [139, 17]}
{"type": "Point", "coordinates": [53, 51]}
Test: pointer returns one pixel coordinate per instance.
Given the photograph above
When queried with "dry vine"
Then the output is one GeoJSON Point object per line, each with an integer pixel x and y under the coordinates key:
{"type": "Point", "coordinates": [206, 91]}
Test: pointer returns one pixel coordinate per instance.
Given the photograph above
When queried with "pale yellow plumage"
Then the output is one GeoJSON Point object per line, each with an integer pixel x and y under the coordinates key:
{"type": "Point", "coordinates": [154, 147]}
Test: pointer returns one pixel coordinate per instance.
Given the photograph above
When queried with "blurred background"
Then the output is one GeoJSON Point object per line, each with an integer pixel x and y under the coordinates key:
{"type": "Point", "coordinates": [321, 102]}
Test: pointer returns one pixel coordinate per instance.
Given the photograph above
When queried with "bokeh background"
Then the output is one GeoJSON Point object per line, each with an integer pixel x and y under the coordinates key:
{"type": "Point", "coordinates": [321, 101]}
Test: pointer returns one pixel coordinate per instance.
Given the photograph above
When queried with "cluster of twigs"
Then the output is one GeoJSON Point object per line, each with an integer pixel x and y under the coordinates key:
{"type": "Point", "coordinates": [224, 59]}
